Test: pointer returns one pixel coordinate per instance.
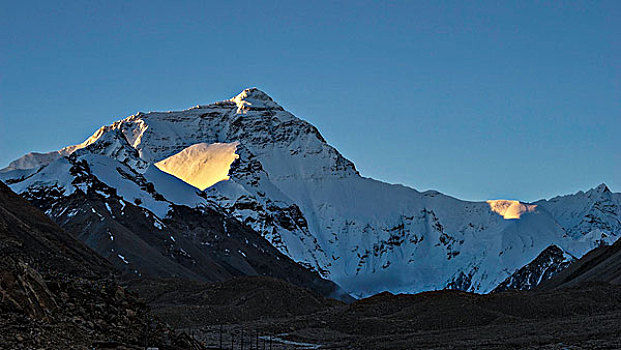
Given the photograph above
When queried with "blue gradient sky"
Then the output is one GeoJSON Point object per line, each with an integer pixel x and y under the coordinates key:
{"type": "Point", "coordinates": [478, 100]}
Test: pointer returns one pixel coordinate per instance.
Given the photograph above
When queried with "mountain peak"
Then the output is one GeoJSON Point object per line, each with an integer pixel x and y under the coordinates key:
{"type": "Point", "coordinates": [254, 99]}
{"type": "Point", "coordinates": [599, 189]}
{"type": "Point", "coordinates": [253, 92]}
{"type": "Point", "coordinates": [602, 188]}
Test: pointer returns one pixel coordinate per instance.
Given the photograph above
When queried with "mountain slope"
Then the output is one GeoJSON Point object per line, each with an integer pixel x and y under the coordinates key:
{"type": "Point", "coordinates": [310, 202]}
{"type": "Point", "coordinates": [28, 235]}
{"type": "Point", "coordinates": [547, 264]}
{"type": "Point", "coordinates": [57, 293]}
{"type": "Point", "coordinates": [198, 243]}
{"type": "Point", "coordinates": [601, 265]}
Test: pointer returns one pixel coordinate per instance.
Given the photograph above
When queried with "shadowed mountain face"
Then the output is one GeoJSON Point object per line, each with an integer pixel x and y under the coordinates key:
{"type": "Point", "coordinates": [28, 235]}
{"type": "Point", "coordinates": [202, 243]}
{"type": "Point", "coordinates": [602, 265]}
{"type": "Point", "coordinates": [58, 293]}
{"type": "Point", "coordinates": [546, 265]}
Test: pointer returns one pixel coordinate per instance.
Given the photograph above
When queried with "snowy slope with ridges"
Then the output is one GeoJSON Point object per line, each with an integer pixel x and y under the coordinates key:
{"type": "Point", "coordinates": [309, 201]}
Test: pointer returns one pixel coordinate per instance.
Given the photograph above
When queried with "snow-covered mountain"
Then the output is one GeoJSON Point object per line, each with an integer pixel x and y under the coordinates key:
{"type": "Point", "coordinates": [287, 183]}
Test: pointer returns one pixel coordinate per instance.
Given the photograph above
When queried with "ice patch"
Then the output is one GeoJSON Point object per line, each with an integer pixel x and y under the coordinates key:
{"type": "Point", "coordinates": [122, 258]}
{"type": "Point", "coordinates": [103, 194]}
{"type": "Point", "coordinates": [109, 210]}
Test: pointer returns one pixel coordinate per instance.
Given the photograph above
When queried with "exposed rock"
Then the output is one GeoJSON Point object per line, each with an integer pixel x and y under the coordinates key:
{"type": "Point", "coordinates": [546, 265]}
{"type": "Point", "coordinates": [57, 293]}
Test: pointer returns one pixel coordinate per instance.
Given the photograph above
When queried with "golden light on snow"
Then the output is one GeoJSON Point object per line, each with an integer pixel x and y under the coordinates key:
{"type": "Point", "coordinates": [201, 165]}
{"type": "Point", "coordinates": [510, 209]}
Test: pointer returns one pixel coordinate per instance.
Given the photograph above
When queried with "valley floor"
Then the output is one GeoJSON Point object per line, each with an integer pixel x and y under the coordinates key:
{"type": "Point", "coordinates": [585, 317]}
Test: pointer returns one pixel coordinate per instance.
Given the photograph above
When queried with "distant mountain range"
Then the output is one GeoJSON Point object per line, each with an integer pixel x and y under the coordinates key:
{"type": "Point", "coordinates": [243, 187]}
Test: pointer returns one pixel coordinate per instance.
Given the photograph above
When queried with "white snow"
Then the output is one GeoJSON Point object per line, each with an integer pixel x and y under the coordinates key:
{"type": "Point", "coordinates": [157, 223]}
{"type": "Point", "coordinates": [103, 194]}
{"type": "Point", "coordinates": [510, 209]}
{"type": "Point", "coordinates": [109, 209]}
{"type": "Point", "coordinates": [366, 235]}
{"type": "Point", "coordinates": [201, 165]}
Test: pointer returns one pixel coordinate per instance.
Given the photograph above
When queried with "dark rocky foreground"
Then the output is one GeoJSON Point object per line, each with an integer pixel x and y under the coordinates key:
{"type": "Point", "coordinates": [55, 293]}
{"type": "Point", "coordinates": [584, 317]}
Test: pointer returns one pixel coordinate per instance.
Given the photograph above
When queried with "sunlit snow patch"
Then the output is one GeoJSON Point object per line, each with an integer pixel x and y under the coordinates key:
{"type": "Point", "coordinates": [510, 209]}
{"type": "Point", "coordinates": [201, 165]}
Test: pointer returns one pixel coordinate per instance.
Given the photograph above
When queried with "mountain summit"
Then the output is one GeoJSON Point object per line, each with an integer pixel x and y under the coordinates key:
{"type": "Point", "coordinates": [282, 179]}
{"type": "Point", "coordinates": [254, 99]}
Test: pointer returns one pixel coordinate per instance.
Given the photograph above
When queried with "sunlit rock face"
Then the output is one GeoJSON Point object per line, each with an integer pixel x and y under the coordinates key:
{"type": "Point", "coordinates": [201, 165]}
{"type": "Point", "coordinates": [510, 209]}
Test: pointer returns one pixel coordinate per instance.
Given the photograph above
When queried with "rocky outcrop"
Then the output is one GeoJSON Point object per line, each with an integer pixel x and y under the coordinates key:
{"type": "Point", "coordinates": [546, 265]}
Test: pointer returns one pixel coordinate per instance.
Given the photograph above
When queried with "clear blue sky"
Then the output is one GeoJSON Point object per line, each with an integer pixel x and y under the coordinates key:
{"type": "Point", "coordinates": [479, 100]}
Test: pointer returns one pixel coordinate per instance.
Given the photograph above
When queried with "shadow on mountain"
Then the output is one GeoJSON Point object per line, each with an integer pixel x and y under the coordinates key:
{"type": "Point", "coordinates": [599, 265]}
{"type": "Point", "coordinates": [56, 293]}
{"type": "Point", "coordinates": [200, 244]}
